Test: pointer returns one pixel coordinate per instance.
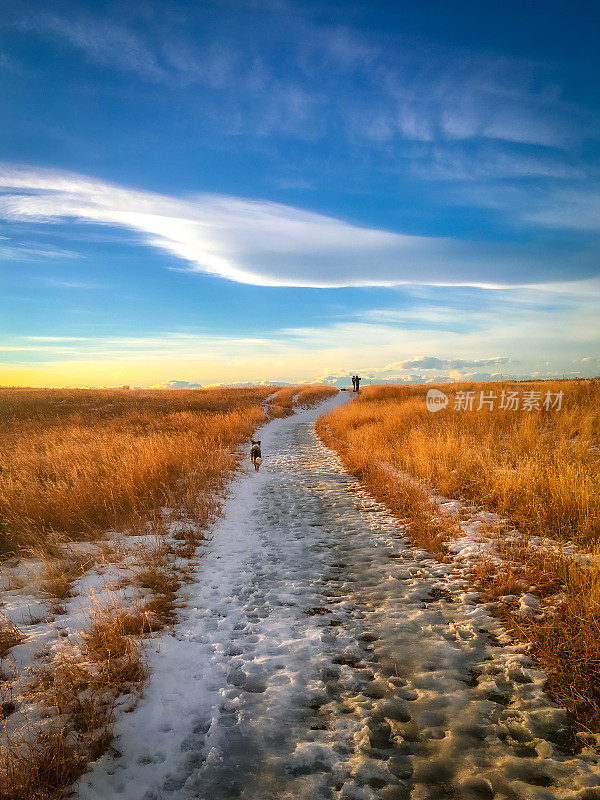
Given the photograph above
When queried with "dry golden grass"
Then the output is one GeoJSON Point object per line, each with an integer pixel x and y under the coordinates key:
{"type": "Point", "coordinates": [109, 644]}
{"type": "Point", "coordinates": [41, 768]}
{"type": "Point", "coordinates": [286, 399]}
{"type": "Point", "coordinates": [78, 462]}
{"type": "Point", "coordinates": [59, 575]}
{"type": "Point", "coordinates": [10, 636]}
{"type": "Point", "coordinates": [164, 584]}
{"type": "Point", "coordinates": [189, 536]}
{"type": "Point", "coordinates": [81, 687]}
{"type": "Point", "coordinates": [314, 394]}
{"type": "Point", "coordinates": [540, 470]}
{"type": "Point", "coordinates": [75, 464]}
{"type": "Point", "coordinates": [282, 402]}
{"type": "Point", "coordinates": [56, 406]}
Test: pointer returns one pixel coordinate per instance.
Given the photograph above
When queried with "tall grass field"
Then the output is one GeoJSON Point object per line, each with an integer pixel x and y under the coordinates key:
{"type": "Point", "coordinates": [76, 462]}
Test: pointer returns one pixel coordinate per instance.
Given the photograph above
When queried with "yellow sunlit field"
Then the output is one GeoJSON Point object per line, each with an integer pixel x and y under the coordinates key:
{"type": "Point", "coordinates": [76, 465]}
{"type": "Point", "coordinates": [283, 401]}
{"type": "Point", "coordinates": [311, 395]}
{"type": "Point", "coordinates": [541, 468]}
{"type": "Point", "coordinates": [536, 466]}
{"type": "Point", "coordinates": [76, 462]}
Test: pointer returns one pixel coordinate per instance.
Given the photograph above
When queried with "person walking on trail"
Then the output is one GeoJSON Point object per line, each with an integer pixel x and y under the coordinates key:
{"type": "Point", "coordinates": [354, 383]}
{"type": "Point", "coordinates": [357, 381]}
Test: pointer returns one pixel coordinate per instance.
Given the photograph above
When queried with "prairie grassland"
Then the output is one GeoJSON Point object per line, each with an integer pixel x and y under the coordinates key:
{"type": "Point", "coordinates": [75, 463]}
{"type": "Point", "coordinates": [539, 470]}
{"type": "Point", "coordinates": [286, 399]}
{"type": "Point", "coordinates": [311, 395]}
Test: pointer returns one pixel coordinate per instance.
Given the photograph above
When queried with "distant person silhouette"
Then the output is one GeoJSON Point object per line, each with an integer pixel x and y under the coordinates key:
{"type": "Point", "coordinates": [354, 383]}
{"type": "Point", "coordinates": [357, 381]}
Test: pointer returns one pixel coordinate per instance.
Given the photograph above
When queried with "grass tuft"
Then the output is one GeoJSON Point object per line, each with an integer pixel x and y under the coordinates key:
{"type": "Point", "coordinates": [79, 690]}
{"type": "Point", "coordinates": [10, 636]}
{"type": "Point", "coordinates": [314, 394]}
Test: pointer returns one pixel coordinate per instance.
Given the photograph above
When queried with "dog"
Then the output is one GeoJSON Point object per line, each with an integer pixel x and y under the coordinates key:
{"type": "Point", "coordinates": [255, 454]}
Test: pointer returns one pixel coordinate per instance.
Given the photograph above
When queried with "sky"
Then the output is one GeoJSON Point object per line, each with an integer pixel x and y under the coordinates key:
{"type": "Point", "coordinates": [276, 191]}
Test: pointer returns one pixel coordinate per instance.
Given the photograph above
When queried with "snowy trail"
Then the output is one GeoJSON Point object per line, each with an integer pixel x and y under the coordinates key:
{"type": "Point", "coordinates": [321, 656]}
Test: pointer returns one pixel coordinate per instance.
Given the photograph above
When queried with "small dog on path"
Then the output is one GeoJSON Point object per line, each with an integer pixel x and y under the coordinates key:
{"type": "Point", "coordinates": [255, 454]}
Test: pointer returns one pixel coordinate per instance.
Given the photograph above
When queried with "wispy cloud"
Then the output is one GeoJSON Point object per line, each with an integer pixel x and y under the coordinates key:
{"type": "Point", "coordinates": [62, 283]}
{"type": "Point", "coordinates": [516, 337]}
{"type": "Point", "coordinates": [269, 244]}
{"type": "Point", "coordinates": [432, 362]}
{"type": "Point", "coordinates": [32, 252]}
{"type": "Point", "coordinates": [104, 42]}
{"type": "Point", "coordinates": [569, 208]}
{"type": "Point", "coordinates": [329, 76]}
{"type": "Point", "coordinates": [20, 348]}
{"type": "Point", "coordinates": [57, 338]}
{"type": "Point", "coordinates": [488, 161]}
{"type": "Point", "coordinates": [161, 346]}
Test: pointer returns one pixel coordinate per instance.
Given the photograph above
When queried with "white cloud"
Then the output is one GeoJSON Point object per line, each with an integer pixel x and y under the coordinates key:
{"type": "Point", "coordinates": [179, 384]}
{"type": "Point", "coordinates": [104, 41]}
{"type": "Point", "coordinates": [569, 208]}
{"type": "Point", "coordinates": [513, 336]}
{"type": "Point", "coordinates": [264, 243]}
{"type": "Point", "coordinates": [432, 362]}
{"type": "Point", "coordinates": [414, 90]}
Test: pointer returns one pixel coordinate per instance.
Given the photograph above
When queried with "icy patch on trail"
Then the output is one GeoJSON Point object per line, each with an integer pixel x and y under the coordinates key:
{"type": "Point", "coordinates": [321, 657]}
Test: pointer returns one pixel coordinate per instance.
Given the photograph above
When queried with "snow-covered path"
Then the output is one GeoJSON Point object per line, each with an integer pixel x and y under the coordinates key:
{"type": "Point", "coordinates": [321, 656]}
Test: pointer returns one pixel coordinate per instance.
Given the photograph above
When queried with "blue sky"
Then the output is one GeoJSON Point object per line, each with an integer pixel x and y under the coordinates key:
{"type": "Point", "coordinates": [280, 191]}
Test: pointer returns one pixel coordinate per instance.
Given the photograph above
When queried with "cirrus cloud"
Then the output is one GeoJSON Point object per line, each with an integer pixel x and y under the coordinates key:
{"type": "Point", "coordinates": [432, 362]}
{"type": "Point", "coordinates": [270, 244]}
